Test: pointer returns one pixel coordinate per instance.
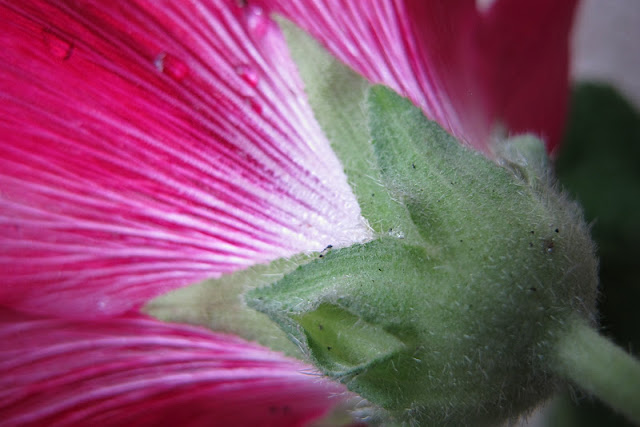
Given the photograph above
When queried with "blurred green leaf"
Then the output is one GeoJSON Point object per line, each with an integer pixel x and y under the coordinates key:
{"type": "Point", "coordinates": [599, 164]}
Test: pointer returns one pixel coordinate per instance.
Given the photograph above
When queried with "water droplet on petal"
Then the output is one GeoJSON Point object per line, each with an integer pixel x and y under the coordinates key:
{"type": "Point", "coordinates": [159, 62]}
{"type": "Point", "coordinates": [58, 47]}
{"type": "Point", "coordinates": [171, 66]}
{"type": "Point", "coordinates": [257, 21]}
{"type": "Point", "coordinates": [248, 74]}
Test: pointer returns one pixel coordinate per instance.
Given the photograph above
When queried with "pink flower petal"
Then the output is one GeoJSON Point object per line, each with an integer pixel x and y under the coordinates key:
{"type": "Point", "coordinates": [377, 40]}
{"type": "Point", "coordinates": [146, 145]}
{"type": "Point", "coordinates": [137, 371]}
{"type": "Point", "coordinates": [522, 62]}
{"type": "Point", "coordinates": [470, 70]}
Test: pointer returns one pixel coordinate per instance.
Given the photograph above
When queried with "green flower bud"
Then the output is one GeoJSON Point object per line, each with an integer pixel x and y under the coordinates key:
{"type": "Point", "coordinates": [457, 328]}
{"type": "Point", "coordinates": [450, 315]}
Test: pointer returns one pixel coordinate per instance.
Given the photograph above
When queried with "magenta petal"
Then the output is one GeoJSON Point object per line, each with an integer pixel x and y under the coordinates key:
{"type": "Point", "coordinates": [146, 145]}
{"type": "Point", "coordinates": [376, 38]}
{"type": "Point", "coordinates": [522, 59]}
{"type": "Point", "coordinates": [469, 70]}
{"type": "Point", "coordinates": [137, 371]}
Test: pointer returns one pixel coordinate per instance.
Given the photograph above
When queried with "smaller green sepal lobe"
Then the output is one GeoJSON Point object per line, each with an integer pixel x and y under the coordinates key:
{"type": "Point", "coordinates": [219, 305]}
{"type": "Point", "coordinates": [314, 304]}
{"type": "Point", "coordinates": [453, 327]}
{"type": "Point", "coordinates": [343, 343]}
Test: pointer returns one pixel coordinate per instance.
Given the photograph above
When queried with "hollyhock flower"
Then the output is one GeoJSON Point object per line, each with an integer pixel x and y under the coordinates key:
{"type": "Point", "coordinates": [145, 146]}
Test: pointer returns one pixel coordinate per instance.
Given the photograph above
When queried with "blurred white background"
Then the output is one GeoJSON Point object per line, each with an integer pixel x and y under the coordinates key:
{"type": "Point", "coordinates": [606, 45]}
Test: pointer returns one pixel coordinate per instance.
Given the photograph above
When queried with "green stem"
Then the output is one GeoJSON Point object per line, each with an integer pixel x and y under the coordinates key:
{"type": "Point", "coordinates": [600, 367]}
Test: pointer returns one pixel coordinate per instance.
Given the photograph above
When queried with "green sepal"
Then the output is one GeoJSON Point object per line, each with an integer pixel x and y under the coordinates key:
{"type": "Point", "coordinates": [337, 96]}
{"type": "Point", "coordinates": [448, 316]}
{"type": "Point", "coordinates": [219, 304]}
{"type": "Point", "coordinates": [342, 343]}
{"type": "Point", "coordinates": [488, 261]}
{"type": "Point", "coordinates": [314, 304]}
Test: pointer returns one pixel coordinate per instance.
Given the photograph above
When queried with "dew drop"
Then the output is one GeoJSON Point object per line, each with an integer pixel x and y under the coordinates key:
{"type": "Point", "coordinates": [159, 62]}
{"type": "Point", "coordinates": [256, 21]}
{"type": "Point", "coordinates": [58, 47]}
{"type": "Point", "coordinates": [484, 5]}
{"type": "Point", "coordinates": [248, 74]}
{"type": "Point", "coordinates": [171, 66]}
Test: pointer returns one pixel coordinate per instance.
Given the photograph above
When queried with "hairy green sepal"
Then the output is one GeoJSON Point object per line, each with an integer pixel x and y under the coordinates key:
{"type": "Point", "coordinates": [219, 304]}
{"type": "Point", "coordinates": [450, 314]}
